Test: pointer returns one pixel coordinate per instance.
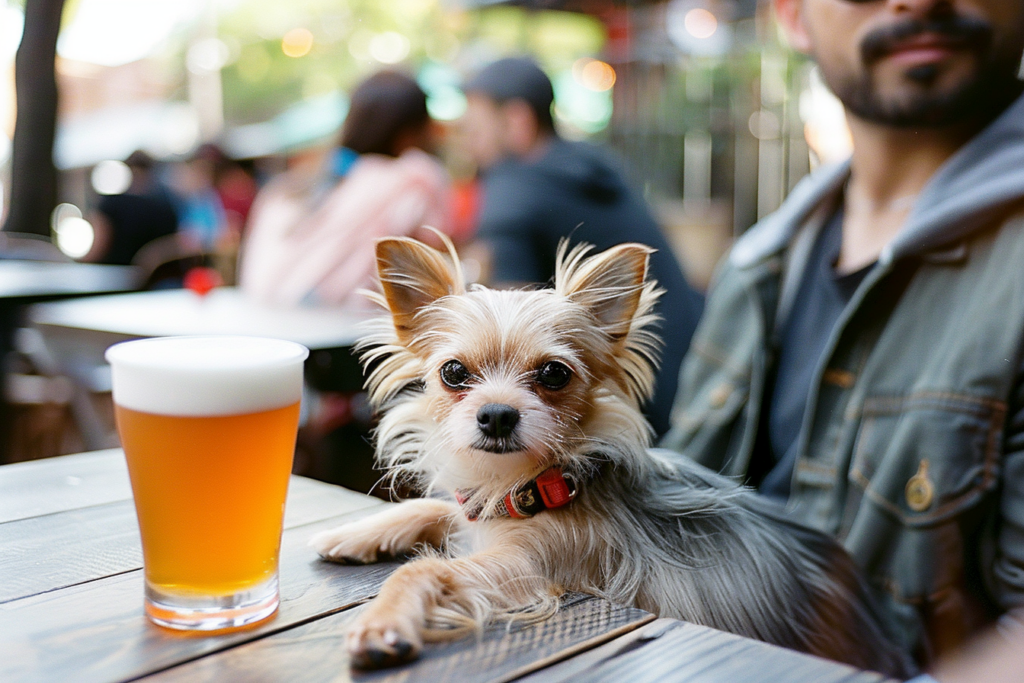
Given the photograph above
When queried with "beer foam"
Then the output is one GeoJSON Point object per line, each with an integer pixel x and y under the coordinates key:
{"type": "Point", "coordinates": [198, 376]}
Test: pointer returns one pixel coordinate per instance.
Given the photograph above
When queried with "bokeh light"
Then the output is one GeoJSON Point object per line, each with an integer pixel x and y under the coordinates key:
{"type": "Point", "coordinates": [62, 211]}
{"type": "Point", "coordinates": [297, 42]}
{"type": "Point", "coordinates": [389, 47]}
{"type": "Point", "coordinates": [825, 127]}
{"type": "Point", "coordinates": [117, 32]}
{"type": "Point", "coordinates": [593, 74]}
{"type": "Point", "coordinates": [207, 55]}
{"type": "Point", "coordinates": [75, 236]}
{"type": "Point", "coordinates": [111, 177]}
{"type": "Point", "coordinates": [700, 23]}
{"type": "Point", "coordinates": [764, 125]}
{"type": "Point", "coordinates": [441, 82]}
{"type": "Point", "coordinates": [581, 108]}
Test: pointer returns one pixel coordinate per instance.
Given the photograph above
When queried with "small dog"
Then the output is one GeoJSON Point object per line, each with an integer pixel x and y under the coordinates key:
{"type": "Point", "coordinates": [522, 409]}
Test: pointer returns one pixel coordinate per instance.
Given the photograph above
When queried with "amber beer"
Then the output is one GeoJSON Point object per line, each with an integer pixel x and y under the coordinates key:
{"type": "Point", "coordinates": [208, 427]}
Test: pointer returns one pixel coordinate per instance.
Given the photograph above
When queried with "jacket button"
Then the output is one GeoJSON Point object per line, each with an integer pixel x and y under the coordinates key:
{"type": "Point", "coordinates": [920, 490]}
{"type": "Point", "coordinates": [719, 395]}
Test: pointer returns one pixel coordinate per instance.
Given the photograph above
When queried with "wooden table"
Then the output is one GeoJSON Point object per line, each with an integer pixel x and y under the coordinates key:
{"type": "Point", "coordinates": [71, 607]}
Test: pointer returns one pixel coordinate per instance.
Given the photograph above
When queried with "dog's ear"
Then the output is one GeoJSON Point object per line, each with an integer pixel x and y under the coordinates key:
{"type": "Point", "coordinates": [610, 284]}
{"type": "Point", "coordinates": [412, 275]}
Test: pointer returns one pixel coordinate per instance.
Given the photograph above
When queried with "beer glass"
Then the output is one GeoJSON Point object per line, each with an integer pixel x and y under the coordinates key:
{"type": "Point", "coordinates": [208, 427]}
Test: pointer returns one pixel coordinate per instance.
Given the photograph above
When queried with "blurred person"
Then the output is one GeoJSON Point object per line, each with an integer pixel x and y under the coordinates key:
{"type": "Point", "coordinates": [222, 213]}
{"type": "Point", "coordinates": [202, 219]}
{"type": "Point", "coordinates": [310, 237]}
{"type": "Point", "coordinates": [236, 186]}
{"type": "Point", "coordinates": [124, 223]}
{"type": "Point", "coordinates": [861, 356]}
{"type": "Point", "coordinates": [539, 188]}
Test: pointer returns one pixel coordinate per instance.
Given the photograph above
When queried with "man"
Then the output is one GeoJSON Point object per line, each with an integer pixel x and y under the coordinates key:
{"type": "Point", "coordinates": [124, 223]}
{"type": "Point", "coordinates": [539, 188]}
{"type": "Point", "coordinates": [861, 354]}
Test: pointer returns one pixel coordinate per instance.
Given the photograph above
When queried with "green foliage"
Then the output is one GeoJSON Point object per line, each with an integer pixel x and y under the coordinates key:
{"type": "Point", "coordinates": [261, 81]}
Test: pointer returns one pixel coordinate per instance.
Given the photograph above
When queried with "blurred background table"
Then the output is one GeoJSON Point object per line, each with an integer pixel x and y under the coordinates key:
{"type": "Point", "coordinates": [24, 282]}
{"type": "Point", "coordinates": [71, 607]}
{"type": "Point", "coordinates": [225, 310]}
{"type": "Point", "coordinates": [67, 339]}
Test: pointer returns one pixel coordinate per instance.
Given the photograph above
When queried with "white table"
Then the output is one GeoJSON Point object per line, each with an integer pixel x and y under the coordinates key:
{"type": "Point", "coordinates": [28, 280]}
{"type": "Point", "coordinates": [70, 337]}
{"type": "Point", "coordinates": [24, 282]}
{"type": "Point", "coordinates": [225, 310]}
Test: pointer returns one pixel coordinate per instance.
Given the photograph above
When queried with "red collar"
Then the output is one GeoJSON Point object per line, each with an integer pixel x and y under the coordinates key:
{"type": "Point", "coordinates": [551, 489]}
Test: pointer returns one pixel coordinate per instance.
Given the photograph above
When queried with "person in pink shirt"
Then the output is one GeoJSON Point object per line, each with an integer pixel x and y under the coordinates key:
{"type": "Point", "coordinates": [310, 236]}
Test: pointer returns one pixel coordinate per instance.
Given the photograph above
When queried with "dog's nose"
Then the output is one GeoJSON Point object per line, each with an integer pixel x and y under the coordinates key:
{"type": "Point", "coordinates": [497, 420]}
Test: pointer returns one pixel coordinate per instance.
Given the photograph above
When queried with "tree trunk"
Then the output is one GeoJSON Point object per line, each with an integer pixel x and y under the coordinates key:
{"type": "Point", "coordinates": [33, 175]}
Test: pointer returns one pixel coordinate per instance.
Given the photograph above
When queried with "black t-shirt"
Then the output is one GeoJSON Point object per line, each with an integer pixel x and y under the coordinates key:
{"type": "Point", "coordinates": [135, 220]}
{"type": "Point", "coordinates": [820, 299]}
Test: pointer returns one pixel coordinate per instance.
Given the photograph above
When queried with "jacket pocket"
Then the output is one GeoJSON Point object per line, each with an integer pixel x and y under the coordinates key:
{"type": "Point", "coordinates": [926, 457]}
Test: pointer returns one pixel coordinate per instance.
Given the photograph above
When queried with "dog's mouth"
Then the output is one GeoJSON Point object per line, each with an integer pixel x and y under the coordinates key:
{"type": "Point", "coordinates": [501, 444]}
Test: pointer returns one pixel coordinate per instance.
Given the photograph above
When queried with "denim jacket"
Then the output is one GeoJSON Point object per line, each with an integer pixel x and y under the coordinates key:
{"type": "Point", "coordinates": [912, 446]}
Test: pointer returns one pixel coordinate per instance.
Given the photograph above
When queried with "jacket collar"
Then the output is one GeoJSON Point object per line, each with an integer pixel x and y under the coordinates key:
{"type": "Point", "coordinates": [774, 232]}
{"type": "Point", "coordinates": [973, 187]}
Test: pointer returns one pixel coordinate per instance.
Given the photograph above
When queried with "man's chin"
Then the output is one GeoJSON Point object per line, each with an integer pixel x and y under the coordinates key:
{"type": "Point", "coordinates": [930, 96]}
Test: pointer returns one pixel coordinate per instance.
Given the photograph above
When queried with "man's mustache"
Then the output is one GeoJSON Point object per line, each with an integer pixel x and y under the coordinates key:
{"type": "Point", "coordinates": [969, 31]}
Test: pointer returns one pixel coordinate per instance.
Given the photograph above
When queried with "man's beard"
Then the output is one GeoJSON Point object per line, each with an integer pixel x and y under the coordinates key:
{"type": "Point", "coordinates": [992, 86]}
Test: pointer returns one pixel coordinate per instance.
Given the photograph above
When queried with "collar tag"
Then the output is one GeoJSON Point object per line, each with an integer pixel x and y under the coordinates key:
{"type": "Point", "coordinates": [551, 489]}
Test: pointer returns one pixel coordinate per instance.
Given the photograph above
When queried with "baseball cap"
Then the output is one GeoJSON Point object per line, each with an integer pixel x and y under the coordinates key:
{"type": "Point", "coordinates": [514, 78]}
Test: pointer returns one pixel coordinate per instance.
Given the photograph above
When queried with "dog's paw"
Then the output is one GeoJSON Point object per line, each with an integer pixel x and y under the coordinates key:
{"type": "Point", "coordinates": [349, 543]}
{"type": "Point", "coordinates": [375, 642]}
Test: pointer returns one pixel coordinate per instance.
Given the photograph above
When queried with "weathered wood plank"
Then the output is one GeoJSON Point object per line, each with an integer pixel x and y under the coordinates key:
{"type": "Point", "coordinates": [310, 501]}
{"type": "Point", "coordinates": [315, 651]}
{"type": "Point", "coordinates": [576, 668]}
{"type": "Point", "coordinates": [672, 651]}
{"type": "Point", "coordinates": [97, 631]}
{"type": "Point", "coordinates": [41, 554]}
{"type": "Point", "coordinates": [69, 482]}
{"type": "Point", "coordinates": [54, 551]}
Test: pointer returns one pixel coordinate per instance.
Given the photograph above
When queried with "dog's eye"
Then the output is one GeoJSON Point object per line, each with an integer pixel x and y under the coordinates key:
{"type": "Point", "coordinates": [554, 375]}
{"type": "Point", "coordinates": [454, 374]}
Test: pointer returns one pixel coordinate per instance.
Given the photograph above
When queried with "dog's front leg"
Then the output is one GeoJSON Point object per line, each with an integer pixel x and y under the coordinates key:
{"type": "Point", "coordinates": [391, 629]}
{"type": "Point", "coordinates": [393, 532]}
